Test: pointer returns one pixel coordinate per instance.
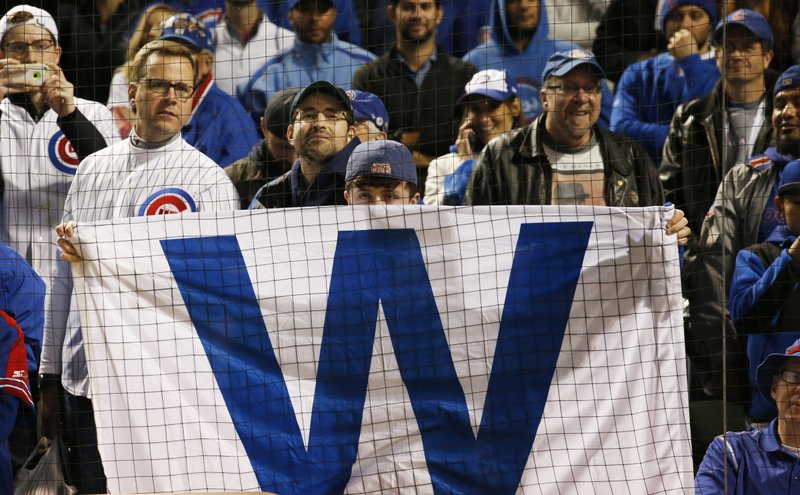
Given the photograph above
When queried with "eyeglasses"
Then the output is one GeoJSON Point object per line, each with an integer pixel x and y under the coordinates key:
{"type": "Point", "coordinates": [20, 47]}
{"type": "Point", "coordinates": [791, 377]}
{"type": "Point", "coordinates": [312, 115]}
{"type": "Point", "coordinates": [161, 87]}
{"type": "Point", "coordinates": [570, 90]}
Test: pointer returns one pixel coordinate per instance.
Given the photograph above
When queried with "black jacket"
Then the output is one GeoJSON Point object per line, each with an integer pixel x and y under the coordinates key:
{"type": "Point", "coordinates": [514, 170]}
{"type": "Point", "coordinates": [428, 110]}
{"type": "Point", "coordinates": [290, 190]}
{"type": "Point", "coordinates": [692, 167]}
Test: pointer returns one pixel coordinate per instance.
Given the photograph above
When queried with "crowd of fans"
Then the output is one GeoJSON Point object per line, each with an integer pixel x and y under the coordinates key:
{"type": "Point", "coordinates": [113, 109]}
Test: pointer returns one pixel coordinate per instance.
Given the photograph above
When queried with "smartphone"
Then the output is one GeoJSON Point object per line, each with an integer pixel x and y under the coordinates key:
{"type": "Point", "coordinates": [27, 74]}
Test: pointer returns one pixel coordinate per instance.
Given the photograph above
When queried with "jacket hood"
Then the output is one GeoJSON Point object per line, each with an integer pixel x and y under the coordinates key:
{"type": "Point", "coordinates": [501, 34]}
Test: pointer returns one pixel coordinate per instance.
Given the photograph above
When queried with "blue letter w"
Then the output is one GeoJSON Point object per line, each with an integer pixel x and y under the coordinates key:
{"type": "Point", "coordinates": [385, 266]}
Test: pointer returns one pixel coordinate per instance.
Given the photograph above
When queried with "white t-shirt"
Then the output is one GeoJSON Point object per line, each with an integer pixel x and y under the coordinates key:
{"type": "Point", "coordinates": [578, 175]}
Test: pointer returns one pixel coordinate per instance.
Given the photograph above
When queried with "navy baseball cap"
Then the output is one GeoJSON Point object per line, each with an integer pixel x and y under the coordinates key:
{"type": "Point", "coordinates": [752, 21]}
{"type": "Point", "coordinates": [367, 106]}
{"type": "Point", "coordinates": [188, 29]}
{"type": "Point", "coordinates": [790, 178]}
{"type": "Point", "coordinates": [492, 83]}
{"type": "Point", "coordinates": [382, 158]}
{"type": "Point", "coordinates": [667, 6]}
{"type": "Point", "coordinates": [278, 115]}
{"type": "Point", "coordinates": [293, 3]}
{"type": "Point", "coordinates": [772, 364]}
{"type": "Point", "coordinates": [790, 79]}
{"type": "Point", "coordinates": [323, 87]}
{"type": "Point", "coordinates": [560, 63]}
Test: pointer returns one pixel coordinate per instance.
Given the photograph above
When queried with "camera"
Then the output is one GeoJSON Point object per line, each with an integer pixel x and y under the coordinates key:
{"type": "Point", "coordinates": [27, 74]}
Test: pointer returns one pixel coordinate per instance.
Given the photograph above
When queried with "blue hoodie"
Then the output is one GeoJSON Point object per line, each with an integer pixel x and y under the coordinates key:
{"type": "Point", "coordinates": [526, 66]}
{"type": "Point", "coordinates": [650, 91]}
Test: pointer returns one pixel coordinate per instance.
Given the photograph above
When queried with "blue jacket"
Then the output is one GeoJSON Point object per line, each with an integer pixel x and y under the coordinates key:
{"type": "Point", "coordinates": [526, 66]}
{"type": "Point", "coordinates": [301, 65]}
{"type": "Point", "coordinates": [22, 297]}
{"type": "Point", "coordinates": [763, 281]}
{"type": "Point", "coordinates": [650, 91]}
{"type": "Point", "coordinates": [219, 128]}
{"type": "Point", "coordinates": [757, 464]}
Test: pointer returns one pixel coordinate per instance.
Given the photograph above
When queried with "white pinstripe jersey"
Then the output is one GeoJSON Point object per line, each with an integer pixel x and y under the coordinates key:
{"type": "Point", "coordinates": [38, 165]}
{"type": "Point", "coordinates": [118, 182]}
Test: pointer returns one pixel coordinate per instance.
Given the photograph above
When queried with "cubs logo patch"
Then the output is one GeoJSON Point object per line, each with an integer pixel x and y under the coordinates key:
{"type": "Point", "coordinates": [62, 154]}
{"type": "Point", "coordinates": [166, 202]}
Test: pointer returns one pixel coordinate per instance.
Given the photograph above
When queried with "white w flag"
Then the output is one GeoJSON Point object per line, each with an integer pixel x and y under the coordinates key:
{"type": "Point", "coordinates": [388, 350]}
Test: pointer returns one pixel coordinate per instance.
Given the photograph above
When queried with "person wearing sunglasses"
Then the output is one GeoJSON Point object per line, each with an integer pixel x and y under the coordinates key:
{"type": "Point", "coordinates": [761, 460]}
{"type": "Point", "coordinates": [152, 172]}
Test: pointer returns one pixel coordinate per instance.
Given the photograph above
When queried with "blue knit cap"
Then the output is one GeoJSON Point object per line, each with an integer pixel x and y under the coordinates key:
{"type": "Point", "coordinates": [667, 6]}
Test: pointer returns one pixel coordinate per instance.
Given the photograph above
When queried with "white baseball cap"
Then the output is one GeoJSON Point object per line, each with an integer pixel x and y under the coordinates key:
{"type": "Point", "coordinates": [40, 18]}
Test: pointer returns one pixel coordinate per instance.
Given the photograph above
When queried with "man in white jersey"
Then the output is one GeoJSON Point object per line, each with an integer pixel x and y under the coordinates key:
{"type": "Point", "coordinates": [245, 40]}
{"type": "Point", "coordinates": [563, 157]}
{"type": "Point", "coordinates": [46, 131]}
{"type": "Point", "coordinates": [152, 172]}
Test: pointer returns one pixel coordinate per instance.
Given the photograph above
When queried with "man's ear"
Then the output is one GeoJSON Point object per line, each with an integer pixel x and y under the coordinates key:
{"type": "Point", "coordinates": [347, 197]}
{"type": "Point", "coordinates": [290, 134]}
{"type": "Point", "coordinates": [391, 13]}
{"type": "Point", "coordinates": [132, 88]}
{"type": "Point", "coordinates": [351, 133]}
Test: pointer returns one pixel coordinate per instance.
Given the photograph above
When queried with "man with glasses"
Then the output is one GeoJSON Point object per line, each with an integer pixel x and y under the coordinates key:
{"type": "Point", "coordinates": [153, 172]}
{"type": "Point", "coordinates": [563, 157]}
{"type": "Point", "coordinates": [761, 461]}
{"type": "Point", "coordinates": [322, 134]}
{"type": "Point", "coordinates": [707, 137]}
{"type": "Point", "coordinates": [46, 131]}
{"type": "Point", "coordinates": [219, 127]}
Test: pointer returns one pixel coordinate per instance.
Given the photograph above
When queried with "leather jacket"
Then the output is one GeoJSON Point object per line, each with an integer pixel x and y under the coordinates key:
{"type": "Point", "coordinates": [514, 170]}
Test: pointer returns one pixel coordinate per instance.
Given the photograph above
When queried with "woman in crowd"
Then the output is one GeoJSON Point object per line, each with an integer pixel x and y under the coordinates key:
{"type": "Point", "coordinates": [491, 107]}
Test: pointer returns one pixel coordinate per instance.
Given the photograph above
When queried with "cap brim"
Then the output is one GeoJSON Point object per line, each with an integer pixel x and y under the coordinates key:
{"type": "Point", "coordinates": [489, 93]}
{"type": "Point", "coordinates": [793, 188]}
{"type": "Point", "coordinates": [767, 370]}
{"type": "Point", "coordinates": [566, 68]}
{"type": "Point", "coordinates": [323, 87]}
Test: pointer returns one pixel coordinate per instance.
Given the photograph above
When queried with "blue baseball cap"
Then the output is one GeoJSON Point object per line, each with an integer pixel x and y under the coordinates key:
{"type": "Point", "coordinates": [790, 79]}
{"type": "Point", "coordinates": [752, 21]}
{"type": "Point", "coordinates": [367, 106]}
{"type": "Point", "coordinates": [560, 63]}
{"type": "Point", "coordinates": [493, 83]}
{"type": "Point", "coordinates": [189, 29]}
{"type": "Point", "coordinates": [667, 6]}
{"type": "Point", "coordinates": [382, 158]}
{"type": "Point", "coordinates": [790, 178]}
{"type": "Point", "coordinates": [772, 364]}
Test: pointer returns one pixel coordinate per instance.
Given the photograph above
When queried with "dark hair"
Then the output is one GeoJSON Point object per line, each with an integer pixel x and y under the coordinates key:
{"type": "Point", "coordinates": [363, 181]}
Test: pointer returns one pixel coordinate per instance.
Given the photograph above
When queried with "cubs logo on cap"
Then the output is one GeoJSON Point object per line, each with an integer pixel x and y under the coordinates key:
{"type": "Point", "coordinates": [62, 155]}
{"type": "Point", "coordinates": [166, 202]}
{"type": "Point", "coordinates": [189, 29]}
{"type": "Point", "coordinates": [578, 53]}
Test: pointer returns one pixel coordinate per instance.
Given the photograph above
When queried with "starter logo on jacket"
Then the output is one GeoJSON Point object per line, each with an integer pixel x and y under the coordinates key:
{"type": "Point", "coordinates": [168, 201]}
{"type": "Point", "coordinates": [62, 154]}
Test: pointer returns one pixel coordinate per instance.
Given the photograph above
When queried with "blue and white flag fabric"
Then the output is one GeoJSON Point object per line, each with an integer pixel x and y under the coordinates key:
{"type": "Point", "coordinates": [388, 350]}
